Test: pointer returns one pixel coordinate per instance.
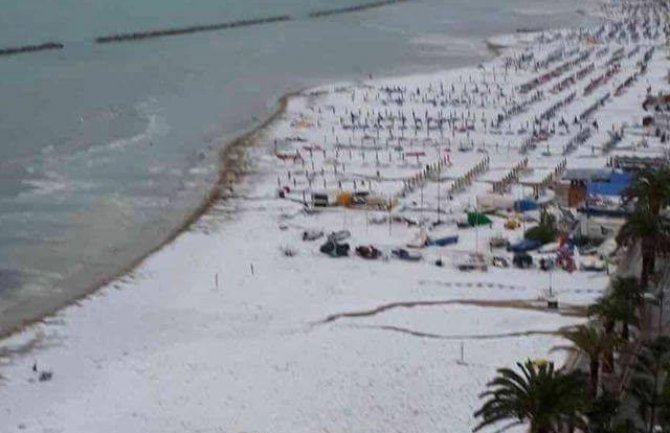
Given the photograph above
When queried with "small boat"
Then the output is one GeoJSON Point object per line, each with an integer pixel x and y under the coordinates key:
{"type": "Point", "coordinates": [334, 249]}
{"type": "Point", "coordinates": [473, 262]}
{"type": "Point", "coordinates": [368, 252]}
{"type": "Point", "coordinates": [420, 240]}
{"type": "Point", "coordinates": [522, 260]}
{"type": "Point", "coordinates": [403, 254]}
{"type": "Point", "coordinates": [591, 264]}
{"type": "Point", "coordinates": [339, 236]}
{"type": "Point", "coordinates": [498, 242]}
{"type": "Point", "coordinates": [499, 262]}
{"type": "Point", "coordinates": [443, 242]}
{"type": "Point", "coordinates": [523, 246]}
{"type": "Point", "coordinates": [549, 248]}
{"type": "Point", "coordinates": [312, 235]}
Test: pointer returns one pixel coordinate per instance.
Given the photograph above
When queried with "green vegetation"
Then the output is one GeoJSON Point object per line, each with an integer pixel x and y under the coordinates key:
{"type": "Point", "coordinates": [539, 395]}
{"type": "Point", "coordinates": [545, 232]}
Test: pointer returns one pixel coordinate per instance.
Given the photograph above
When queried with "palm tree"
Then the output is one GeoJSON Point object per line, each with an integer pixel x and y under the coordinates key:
{"type": "Point", "coordinates": [628, 292]}
{"type": "Point", "coordinates": [651, 188]}
{"type": "Point", "coordinates": [620, 305]}
{"type": "Point", "coordinates": [628, 288]}
{"type": "Point", "coordinates": [610, 311]}
{"type": "Point", "coordinates": [538, 394]}
{"type": "Point", "coordinates": [663, 416]}
{"type": "Point", "coordinates": [596, 344]}
{"type": "Point", "coordinates": [602, 414]}
{"type": "Point", "coordinates": [647, 382]}
{"type": "Point", "coordinates": [653, 235]}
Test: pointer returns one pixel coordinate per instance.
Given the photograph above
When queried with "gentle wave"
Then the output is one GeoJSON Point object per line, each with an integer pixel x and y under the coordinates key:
{"type": "Point", "coordinates": [155, 127]}
{"type": "Point", "coordinates": [449, 45]}
{"type": "Point", "coordinates": [51, 183]}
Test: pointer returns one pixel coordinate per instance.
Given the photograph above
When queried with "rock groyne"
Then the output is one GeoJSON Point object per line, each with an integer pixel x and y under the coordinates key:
{"type": "Point", "coordinates": [10, 51]}
{"type": "Point", "coordinates": [355, 8]}
{"type": "Point", "coordinates": [150, 34]}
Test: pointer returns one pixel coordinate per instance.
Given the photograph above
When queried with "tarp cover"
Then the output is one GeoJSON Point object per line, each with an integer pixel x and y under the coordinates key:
{"type": "Point", "coordinates": [615, 185]}
{"type": "Point", "coordinates": [478, 219]}
{"type": "Point", "coordinates": [525, 205]}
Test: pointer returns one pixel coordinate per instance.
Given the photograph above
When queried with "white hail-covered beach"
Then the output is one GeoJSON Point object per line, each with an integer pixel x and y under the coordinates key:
{"type": "Point", "coordinates": [222, 331]}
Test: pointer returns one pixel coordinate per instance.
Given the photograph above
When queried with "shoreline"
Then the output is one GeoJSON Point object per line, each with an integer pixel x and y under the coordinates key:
{"type": "Point", "coordinates": [226, 171]}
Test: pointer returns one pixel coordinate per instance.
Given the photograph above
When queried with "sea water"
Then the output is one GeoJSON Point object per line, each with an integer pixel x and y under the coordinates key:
{"type": "Point", "coordinates": [105, 149]}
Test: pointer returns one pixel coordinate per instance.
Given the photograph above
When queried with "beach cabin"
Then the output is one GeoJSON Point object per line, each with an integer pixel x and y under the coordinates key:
{"type": "Point", "coordinates": [602, 213]}
{"type": "Point", "coordinates": [572, 189]}
{"type": "Point", "coordinates": [321, 199]}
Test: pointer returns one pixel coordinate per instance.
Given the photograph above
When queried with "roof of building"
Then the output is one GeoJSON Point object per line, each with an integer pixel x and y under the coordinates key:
{"type": "Point", "coordinates": [588, 174]}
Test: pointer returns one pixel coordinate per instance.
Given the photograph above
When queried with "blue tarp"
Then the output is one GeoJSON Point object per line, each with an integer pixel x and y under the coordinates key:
{"type": "Point", "coordinates": [525, 205]}
{"type": "Point", "coordinates": [523, 246]}
{"type": "Point", "coordinates": [615, 185]}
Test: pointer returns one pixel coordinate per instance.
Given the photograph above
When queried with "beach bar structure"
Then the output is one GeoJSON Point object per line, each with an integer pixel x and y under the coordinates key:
{"type": "Point", "coordinates": [582, 183]}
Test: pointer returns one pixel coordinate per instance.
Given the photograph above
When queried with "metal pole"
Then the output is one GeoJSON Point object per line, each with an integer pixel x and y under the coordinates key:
{"type": "Point", "coordinates": [439, 180]}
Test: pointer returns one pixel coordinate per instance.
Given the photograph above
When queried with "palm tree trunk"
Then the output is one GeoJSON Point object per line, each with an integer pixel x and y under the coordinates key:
{"type": "Point", "coordinates": [625, 331]}
{"type": "Point", "coordinates": [609, 355]}
{"type": "Point", "coordinates": [594, 368]}
{"type": "Point", "coordinates": [539, 428]}
{"type": "Point", "coordinates": [648, 265]}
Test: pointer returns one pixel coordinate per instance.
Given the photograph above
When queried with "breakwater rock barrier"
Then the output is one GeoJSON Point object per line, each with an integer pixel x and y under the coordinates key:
{"type": "Point", "coordinates": [10, 51]}
{"type": "Point", "coordinates": [159, 33]}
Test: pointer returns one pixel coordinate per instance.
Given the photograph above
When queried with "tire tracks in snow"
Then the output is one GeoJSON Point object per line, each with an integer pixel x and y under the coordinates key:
{"type": "Point", "coordinates": [460, 337]}
{"type": "Point", "coordinates": [521, 304]}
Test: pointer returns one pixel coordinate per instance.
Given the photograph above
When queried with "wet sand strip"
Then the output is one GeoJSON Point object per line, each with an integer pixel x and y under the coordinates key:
{"type": "Point", "coordinates": [151, 34]}
{"type": "Point", "coordinates": [355, 8]}
{"type": "Point", "coordinates": [10, 51]}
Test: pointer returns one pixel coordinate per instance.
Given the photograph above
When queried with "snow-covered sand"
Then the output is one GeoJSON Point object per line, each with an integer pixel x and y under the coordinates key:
{"type": "Point", "coordinates": [222, 332]}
